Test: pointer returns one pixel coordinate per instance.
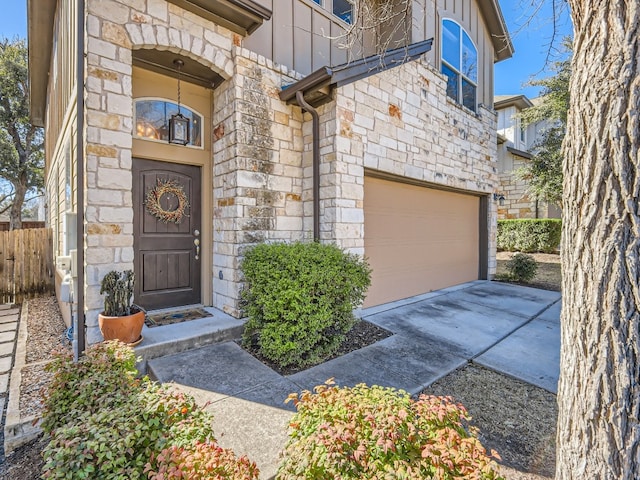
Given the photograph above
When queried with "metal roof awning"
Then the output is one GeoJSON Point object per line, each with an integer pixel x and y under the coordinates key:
{"type": "Point", "coordinates": [317, 86]}
{"type": "Point", "coordinates": [520, 153]}
{"type": "Point", "coordinates": [240, 16]}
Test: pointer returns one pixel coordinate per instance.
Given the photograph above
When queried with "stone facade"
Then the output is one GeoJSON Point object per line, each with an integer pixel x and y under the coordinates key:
{"type": "Point", "coordinates": [398, 122]}
{"type": "Point", "coordinates": [410, 129]}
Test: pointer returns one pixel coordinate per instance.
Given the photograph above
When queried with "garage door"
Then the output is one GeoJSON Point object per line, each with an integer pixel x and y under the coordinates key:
{"type": "Point", "coordinates": [418, 239]}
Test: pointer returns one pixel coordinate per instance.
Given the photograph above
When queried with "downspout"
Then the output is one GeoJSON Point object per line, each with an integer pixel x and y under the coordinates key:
{"type": "Point", "coordinates": [79, 327]}
{"type": "Point", "coordinates": [316, 162]}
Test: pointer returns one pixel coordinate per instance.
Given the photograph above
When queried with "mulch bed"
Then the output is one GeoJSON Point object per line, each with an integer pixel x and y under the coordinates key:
{"type": "Point", "coordinates": [516, 419]}
{"type": "Point", "coordinates": [361, 335]}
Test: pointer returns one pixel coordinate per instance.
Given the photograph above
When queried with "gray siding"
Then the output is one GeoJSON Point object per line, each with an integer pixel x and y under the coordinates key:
{"type": "Point", "coordinates": [301, 35]}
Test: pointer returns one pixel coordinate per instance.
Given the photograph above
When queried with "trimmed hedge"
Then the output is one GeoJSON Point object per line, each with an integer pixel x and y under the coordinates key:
{"type": "Point", "coordinates": [299, 298]}
{"type": "Point", "coordinates": [529, 235]}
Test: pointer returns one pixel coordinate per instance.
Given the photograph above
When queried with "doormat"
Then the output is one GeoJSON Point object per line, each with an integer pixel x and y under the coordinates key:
{"type": "Point", "coordinates": [160, 319]}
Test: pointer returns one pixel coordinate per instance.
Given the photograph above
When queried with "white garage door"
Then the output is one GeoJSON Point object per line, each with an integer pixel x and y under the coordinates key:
{"type": "Point", "coordinates": [418, 239]}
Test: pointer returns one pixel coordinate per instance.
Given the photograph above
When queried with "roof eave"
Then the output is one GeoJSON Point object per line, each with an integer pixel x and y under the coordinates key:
{"type": "Point", "coordinates": [350, 72]}
{"type": "Point", "coordinates": [41, 15]}
{"type": "Point", "coordinates": [519, 101]}
{"type": "Point", "coordinates": [502, 45]}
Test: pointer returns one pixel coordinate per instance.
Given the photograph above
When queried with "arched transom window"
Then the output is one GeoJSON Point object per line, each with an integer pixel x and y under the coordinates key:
{"type": "Point", "coordinates": [459, 64]}
{"type": "Point", "coordinates": [152, 120]}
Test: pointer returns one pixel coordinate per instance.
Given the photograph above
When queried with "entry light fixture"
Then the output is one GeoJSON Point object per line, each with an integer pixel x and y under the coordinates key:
{"type": "Point", "coordinates": [498, 197]}
{"type": "Point", "coordinates": [179, 124]}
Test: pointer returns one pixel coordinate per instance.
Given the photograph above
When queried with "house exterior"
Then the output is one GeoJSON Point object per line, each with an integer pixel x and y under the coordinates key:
{"type": "Point", "coordinates": [515, 145]}
{"type": "Point", "coordinates": [290, 137]}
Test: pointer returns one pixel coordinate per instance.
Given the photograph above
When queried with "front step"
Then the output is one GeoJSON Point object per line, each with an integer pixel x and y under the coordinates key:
{"type": "Point", "coordinates": [180, 337]}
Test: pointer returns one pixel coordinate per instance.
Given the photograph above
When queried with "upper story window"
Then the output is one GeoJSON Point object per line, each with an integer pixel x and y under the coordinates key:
{"type": "Point", "coordinates": [152, 120]}
{"type": "Point", "coordinates": [459, 64]}
{"type": "Point", "coordinates": [343, 9]}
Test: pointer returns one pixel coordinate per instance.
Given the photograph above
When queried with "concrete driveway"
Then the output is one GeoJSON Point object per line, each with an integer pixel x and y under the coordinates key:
{"type": "Point", "coordinates": [511, 329]}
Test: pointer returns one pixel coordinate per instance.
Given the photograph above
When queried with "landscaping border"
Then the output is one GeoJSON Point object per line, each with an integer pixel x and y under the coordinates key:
{"type": "Point", "coordinates": [19, 430]}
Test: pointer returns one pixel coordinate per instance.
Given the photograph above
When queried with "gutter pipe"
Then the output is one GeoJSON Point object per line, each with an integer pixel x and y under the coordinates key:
{"type": "Point", "coordinates": [79, 326]}
{"type": "Point", "coordinates": [316, 162]}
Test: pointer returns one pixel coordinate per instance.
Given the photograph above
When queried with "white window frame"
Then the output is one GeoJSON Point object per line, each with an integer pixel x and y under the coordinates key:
{"type": "Point", "coordinates": [164, 142]}
{"type": "Point", "coordinates": [463, 32]}
{"type": "Point", "coordinates": [353, 12]}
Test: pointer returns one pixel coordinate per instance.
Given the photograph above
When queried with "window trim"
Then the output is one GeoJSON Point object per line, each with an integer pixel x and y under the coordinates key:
{"type": "Point", "coordinates": [135, 135]}
{"type": "Point", "coordinates": [353, 11]}
{"type": "Point", "coordinates": [459, 72]}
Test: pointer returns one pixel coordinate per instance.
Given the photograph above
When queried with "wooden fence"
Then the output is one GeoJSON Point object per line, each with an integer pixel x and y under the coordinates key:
{"type": "Point", "coordinates": [26, 264]}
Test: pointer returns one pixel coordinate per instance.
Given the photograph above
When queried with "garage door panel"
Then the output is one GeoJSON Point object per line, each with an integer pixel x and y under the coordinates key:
{"type": "Point", "coordinates": [418, 239]}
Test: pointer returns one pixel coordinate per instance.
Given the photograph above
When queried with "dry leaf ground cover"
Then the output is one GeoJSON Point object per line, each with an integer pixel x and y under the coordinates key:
{"type": "Point", "coordinates": [548, 276]}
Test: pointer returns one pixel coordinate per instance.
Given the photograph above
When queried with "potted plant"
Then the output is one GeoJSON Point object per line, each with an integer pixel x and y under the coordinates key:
{"type": "Point", "coordinates": [120, 320]}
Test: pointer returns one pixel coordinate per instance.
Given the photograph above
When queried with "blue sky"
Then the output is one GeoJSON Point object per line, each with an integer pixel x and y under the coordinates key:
{"type": "Point", "coordinates": [13, 21]}
{"type": "Point", "coordinates": [531, 34]}
{"type": "Point", "coordinates": [531, 40]}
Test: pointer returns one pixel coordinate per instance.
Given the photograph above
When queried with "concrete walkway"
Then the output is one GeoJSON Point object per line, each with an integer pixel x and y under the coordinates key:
{"type": "Point", "coordinates": [512, 329]}
{"type": "Point", "coordinates": [8, 329]}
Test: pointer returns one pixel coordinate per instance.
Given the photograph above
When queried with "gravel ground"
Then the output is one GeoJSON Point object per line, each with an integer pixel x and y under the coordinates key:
{"type": "Point", "coordinates": [45, 329]}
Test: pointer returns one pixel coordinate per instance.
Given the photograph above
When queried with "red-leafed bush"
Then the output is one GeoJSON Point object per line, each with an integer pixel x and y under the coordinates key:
{"type": "Point", "coordinates": [201, 461]}
{"type": "Point", "coordinates": [376, 432]}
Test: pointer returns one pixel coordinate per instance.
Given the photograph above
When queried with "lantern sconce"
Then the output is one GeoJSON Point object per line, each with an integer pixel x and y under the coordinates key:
{"type": "Point", "coordinates": [179, 131]}
{"type": "Point", "coordinates": [498, 197]}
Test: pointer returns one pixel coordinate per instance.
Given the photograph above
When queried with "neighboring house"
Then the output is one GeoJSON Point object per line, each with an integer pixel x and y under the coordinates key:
{"type": "Point", "coordinates": [406, 156]}
{"type": "Point", "coordinates": [515, 144]}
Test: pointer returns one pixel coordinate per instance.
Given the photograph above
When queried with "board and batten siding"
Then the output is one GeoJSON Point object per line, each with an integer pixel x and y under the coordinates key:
{"type": "Point", "coordinates": [301, 35]}
{"type": "Point", "coordinates": [62, 78]}
{"type": "Point", "coordinates": [305, 36]}
{"type": "Point", "coordinates": [61, 121]}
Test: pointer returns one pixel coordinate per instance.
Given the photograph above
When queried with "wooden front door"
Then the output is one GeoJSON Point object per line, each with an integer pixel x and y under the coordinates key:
{"type": "Point", "coordinates": [167, 259]}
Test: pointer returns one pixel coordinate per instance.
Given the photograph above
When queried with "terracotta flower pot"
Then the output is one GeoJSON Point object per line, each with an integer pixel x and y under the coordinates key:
{"type": "Point", "coordinates": [126, 329]}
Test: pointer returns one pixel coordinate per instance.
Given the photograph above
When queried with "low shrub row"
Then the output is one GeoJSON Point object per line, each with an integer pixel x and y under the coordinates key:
{"type": "Point", "coordinates": [529, 235]}
{"type": "Point", "coordinates": [104, 423]}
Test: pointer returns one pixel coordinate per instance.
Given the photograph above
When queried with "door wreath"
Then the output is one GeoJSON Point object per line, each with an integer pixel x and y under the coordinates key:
{"type": "Point", "coordinates": [153, 206]}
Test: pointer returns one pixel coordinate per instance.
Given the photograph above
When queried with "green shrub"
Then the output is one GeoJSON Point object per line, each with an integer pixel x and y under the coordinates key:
{"type": "Point", "coordinates": [106, 424]}
{"type": "Point", "coordinates": [522, 267]}
{"type": "Point", "coordinates": [103, 375]}
{"type": "Point", "coordinates": [299, 299]}
{"type": "Point", "coordinates": [375, 432]}
{"type": "Point", "coordinates": [201, 461]}
{"type": "Point", "coordinates": [117, 442]}
{"type": "Point", "coordinates": [529, 235]}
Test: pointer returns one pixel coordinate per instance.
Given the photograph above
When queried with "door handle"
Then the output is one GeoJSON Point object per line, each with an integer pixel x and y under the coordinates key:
{"type": "Point", "coordinates": [196, 242]}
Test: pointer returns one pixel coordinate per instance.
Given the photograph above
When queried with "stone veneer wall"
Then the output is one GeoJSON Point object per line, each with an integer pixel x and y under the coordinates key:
{"type": "Point", "coordinates": [399, 121]}
{"type": "Point", "coordinates": [402, 122]}
{"type": "Point", "coordinates": [258, 172]}
{"type": "Point", "coordinates": [114, 28]}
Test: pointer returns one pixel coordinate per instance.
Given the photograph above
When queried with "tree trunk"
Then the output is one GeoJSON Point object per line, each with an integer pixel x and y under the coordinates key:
{"type": "Point", "coordinates": [599, 390]}
{"type": "Point", "coordinates": [15, 213]}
